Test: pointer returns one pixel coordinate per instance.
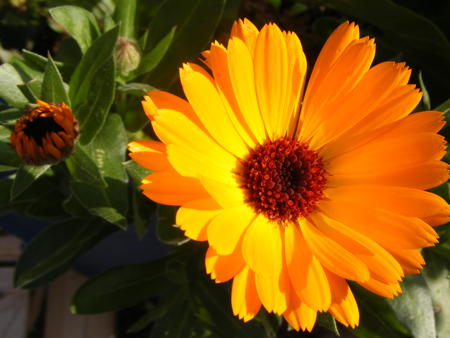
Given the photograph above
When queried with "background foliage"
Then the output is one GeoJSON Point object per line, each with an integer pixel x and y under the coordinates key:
{"type": "Point", "coordinates": [99, 57]}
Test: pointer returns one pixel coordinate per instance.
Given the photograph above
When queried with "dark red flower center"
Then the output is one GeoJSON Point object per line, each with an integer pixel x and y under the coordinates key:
{"type": "Point", "coordinates": [283, 179]}
{"type": "Point", "coordinates": [40, 126]}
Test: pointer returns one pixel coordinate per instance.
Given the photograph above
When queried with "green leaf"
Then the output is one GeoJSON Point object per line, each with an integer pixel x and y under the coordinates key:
{"type": "Point", "coordinates": [53, 90]}
{"type": "Point", "coordinates": [327, 321]}
{"type": "Point", "coordinates": [166, 230]}
{"type": "Point", "coordinates": [181, 315]}
{"type": "Point", "coordinates": [92, 85]}
{"type": "Point", "coordinates": [153, 58]}
{"type": "Point", "coordinates": [135, 88]}
{"type": "Point", "coordinates": [164, 305]}
{"type": "Point", "coordinates": [25, 176]}
{"type": "Point", "coordinates": [54, 249]}
{"type": "Point", "coordinates": [96, 56]}
{"type": "Point", "coordinates": [100, 180]}
{"type": "Point", "coordinates": [29, 91]}
{"type": "Point", "coordinates": [27, 70]}
{"type": "Point", "coordinates": [378, 320]}
{"type": "Point", "coordinates": [197, 18]}
{"type": "Point", "coordinates": [9, 79]}
{"type": "Point", "coordinates": [10, 115]}
{"type": "Point", "coordinates": [8, 156]}
{"type": "Point", "coordinates": [444, 107]}
{"type": "Point", "coordinates": [121, 287]}
{"type": "Point", "coordinates": [426, 97]}
{"type": "Point", "coordinates": [78, 22]}
{"type": "Point", "coordinates": [142, 206]}
{"type": "Point", "coordinates": [83, 168]}
{"type": "Point", "coordinates": [436, 277]}
{"type": "Point", "coordinates": [215, 299]}
{"type": "Point", "coordinates": [75, 208]}
{"type": "Point", "coordinates": [414, 307]}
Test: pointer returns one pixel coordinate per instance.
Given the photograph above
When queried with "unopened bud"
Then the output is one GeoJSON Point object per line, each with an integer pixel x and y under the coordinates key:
{"type": "Point", "coordinates": [128, 55]}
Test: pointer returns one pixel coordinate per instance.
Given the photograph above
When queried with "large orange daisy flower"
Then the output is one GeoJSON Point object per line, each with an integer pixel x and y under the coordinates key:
{"type": "Point", "coordinates": [298, 194]}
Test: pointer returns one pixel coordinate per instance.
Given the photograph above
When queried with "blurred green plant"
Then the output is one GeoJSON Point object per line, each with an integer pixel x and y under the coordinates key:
{"type": "Point", "coordinates": [106, 56]}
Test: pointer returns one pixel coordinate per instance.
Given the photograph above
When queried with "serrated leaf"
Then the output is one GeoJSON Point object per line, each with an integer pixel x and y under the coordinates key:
{"type": "Point", "coordinates": [414, 307]}
{"type": "Point", "coordinates": [121, 287]}
{"type": "Point", "coordinates": [53, 250]}
{"type": "Point", "coordinates": [25, 176]}
{"type": "Point", "coordinates": [53, 90]}
{"type": "Point", "coordinates": [197, 18]}
{"type": "Point", "coordinates": [78, 23]}
{"type": "Point", "coordinates": [9, 79]}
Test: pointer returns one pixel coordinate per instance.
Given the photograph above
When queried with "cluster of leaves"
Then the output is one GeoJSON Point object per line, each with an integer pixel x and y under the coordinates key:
{"type": "Point", "coordinates": [110, 55]}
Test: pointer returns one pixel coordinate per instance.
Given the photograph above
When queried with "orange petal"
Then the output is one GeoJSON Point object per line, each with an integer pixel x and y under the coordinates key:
{"type": "Point", "coordinates": [246, 31]}
{"type": "Point", "coordinates": [244, 298]}
{"type": "Point", "coordinates": [419, 176]}
{"type": "Point", "coordinates": [193, 217]}
{"type": "Point", "coordinates": [380, 263]}
{"type": "Point", "coordinates": [219, 66]}
{"type": "Point", "coordinates": [411, 260]}
{"type": "Point", "coordinates": [382, 289]}
{"type": "Point", "coordinates": [150, 154]}
{"type": "Point", "coordinates": [343, 307]}
{"type": "Point", "coordinates": [388, 229]}
{"type": "Point", "coordinates": [172, 189]}
{"type": "Point", "coordinates": [307, 276]}
{"type": "Point", "coordinates": [405, 201]}
{"type": "Point", "coordinates": [299, 315]}
{"type": "Point", "coordinates": [223, 268]}
{"type": "Point", "coordinates": [332, 255]}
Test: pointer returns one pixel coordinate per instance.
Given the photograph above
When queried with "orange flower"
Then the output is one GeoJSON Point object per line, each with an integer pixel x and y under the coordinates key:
{"type": "Point", "coordinates": [296, 194]}
{"type": "Point", "coordinates": [46, 134]}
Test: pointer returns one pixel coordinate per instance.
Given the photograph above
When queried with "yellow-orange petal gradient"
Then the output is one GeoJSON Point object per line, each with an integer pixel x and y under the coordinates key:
{"type": "Point", "coordinates": [298, 188]}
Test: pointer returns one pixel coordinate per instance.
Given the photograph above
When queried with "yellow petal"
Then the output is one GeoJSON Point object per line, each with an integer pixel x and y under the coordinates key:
{"type": "Point", "coordinates": [242, 77]}
{"type": "Point", "coordinates": [262, 247]}
{"type": "Point", "coordinates": [205, 100]}
{"type": "Point", "coordinates": [274, 291]}
{"type": "Point", "coordinates": [271, 78]}
{"type": "Point", "coordinates": [193, 217]}
{"type": "Point", "coordinates": [227, 228]}
{"type": "Point", "coordinates": [307, 276]}
{"type": "Point", "coordinates": [227, 195]}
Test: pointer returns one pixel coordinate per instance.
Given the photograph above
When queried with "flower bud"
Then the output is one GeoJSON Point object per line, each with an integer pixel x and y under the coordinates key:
{"type": "Point", "coordinates": [128, 55]}
{"type": "Point", "coordinates": [45, 134]}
